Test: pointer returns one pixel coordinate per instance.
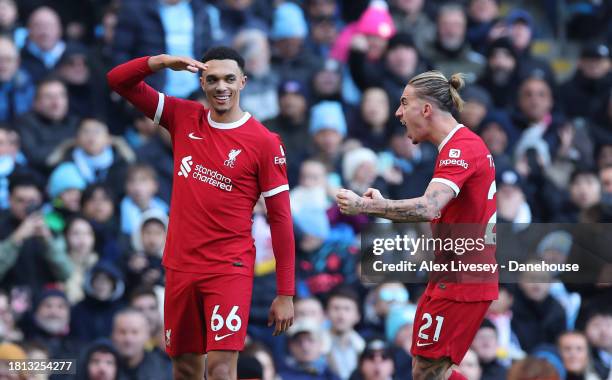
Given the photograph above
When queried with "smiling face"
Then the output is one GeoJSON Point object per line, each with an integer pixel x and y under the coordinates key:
{"type": "Point", "coordinates": [412, 113]}
{"type": "Point", "coordinates": [222, 83]}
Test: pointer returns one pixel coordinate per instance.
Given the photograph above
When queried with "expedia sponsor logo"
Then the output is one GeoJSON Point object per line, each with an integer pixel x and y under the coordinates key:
{"type": "Point", "coordinates": [454, 162]}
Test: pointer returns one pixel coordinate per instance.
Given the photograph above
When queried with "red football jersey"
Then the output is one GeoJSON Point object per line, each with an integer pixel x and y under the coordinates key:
{"type": "Point", "coordinates": [465, 164]}
{"type": "Point", "coordinates": [220, 171]}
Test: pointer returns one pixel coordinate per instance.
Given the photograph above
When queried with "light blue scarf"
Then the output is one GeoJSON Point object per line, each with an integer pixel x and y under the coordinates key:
{"type": "Point", "coordinates": [7, 165]}
{"type": "Point", "coordinates": [49, 58]}
{"type": "Point", "coordinates": [93, 168]}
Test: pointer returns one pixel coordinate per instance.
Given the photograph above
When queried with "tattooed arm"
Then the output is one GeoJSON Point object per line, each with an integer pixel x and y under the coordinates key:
{"type": "Point", "coordinates": [422, 209]}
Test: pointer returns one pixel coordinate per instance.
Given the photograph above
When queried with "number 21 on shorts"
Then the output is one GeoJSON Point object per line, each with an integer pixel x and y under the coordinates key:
{"type": "Point", "coordinates": [428, 321]}
{"type": "Point", "coordinates": [232, 322]}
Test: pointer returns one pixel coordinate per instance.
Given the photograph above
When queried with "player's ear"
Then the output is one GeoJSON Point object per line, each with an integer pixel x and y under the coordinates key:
{"type": "Point", "coordinates": [243, 81]}
{"type": "Point", "coordinates": [426, 110]}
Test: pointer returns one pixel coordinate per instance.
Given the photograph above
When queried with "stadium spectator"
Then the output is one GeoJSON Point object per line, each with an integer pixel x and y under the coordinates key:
{"type": "Point", "coordinates": [373, 123]}
{"type": "Point", "coordinates": [483, 16]}
{"type": "Point", "coordinates": [85, 89]}
{"type": "Point", "coordinates": [477, 104]}
{"type": "Point", "coordinates": [143, 266]}
{"type": "Point", "coordinates": [13, 352]}
{"type": "Point", "coordinates": [375, 362]}
{"type": "Point", "coordinates": [100, 361]}
{"type": "Point", "coordinates": [532, 368]}
{"type": "Point", "coordinates": [520, 28]}
{"type": "Point", "coordinates": [290, 58]}
{"type": "Point", "coordinates": [588, 90]}
{"type": "Point", "coordinates": [130, 334]}
{"type": "Point", "coordinates": [306, 360]}
{"type": "Point", "coordinates": [156, 30]}
{"type": "Point", "coordinates": [64, 188]}
{"type": "Point", "coordinates": [327, 82]}
{"type": "Point", "coordinates": [9, 23]}
{"type": "Point", "coordinates": [16, 87]}
{"type": "Point", "coordinates": [44, 47]}
{"type": "Point", "coordinates": [9, 162]}
{"type": "Point", "coordinates": [145, 300]}
{"type": "Point", "coordinates": [401, 61]}
{"type": "Point", "coordinates": [8, 326]}
{"type": "Point", "coordinates": [232, 16]}
{"type": "Point", "coordinates": [328, 129]}
{"type": "Point", "coordinates": [536, 316]}
{"type": "Point", "coordinates": [470, 367]}
{"type": "Point", "coordinates": [323, 33]}
{"type": "Point", "coordinates": [605, 178]}
{"type": "Point", "coordinates": [598, 329]}
{"type": "Point", "coordinates": [485, 345]}
{"type": "Point", "coordinates": [409, 17]}
{"type": "Point", "coordinates": [263, 355]}
{"type": "Point", "coordinates": [398, 331]}
{"type": "Point", "coordinates": [574, 350]}
{"type": "Point", "coordinates": [291, 124]}
{"type": "Point", "coordinates": [584, 192]}
{"type": "Point", "coordinates": [360, 172]}
{"type": "Point", "coordinates": [31, 257]}
{"type": "Point", "coordinates": [496, 131]}
{"type": "Point", "coordinates": [49, 325]}
{"type": "Point", "coordinates": [92, 318]}
{"type": "Point", "coordinates": [500, 77]}
{"type": "Point", "coordinates": [346, 343]}
{"type": "Point", "coordinates": [140, 189]}
{"type": "Point", "coordinates": [98, 206]}
{"type": "Point", "coordinates": [98, 156]}
{"type": "Point", "coordinates": [48, 125]}
{"type": "Point", "coordinates": [155, 150]}
{"type": "Point", "coordinates": [259, 98]}
{"type": "Point", "coordinates": [80, 245]}
{"type": "Point", "coordinates": [414, 162]}
{"type": "Point", "coordinates": [249, 367]}
{"type": "Point", "coordinates": [451, 52]}
{"type": "Point", "coordinates": [377, 305]}
{"type": "Point", "coordinates": [512, 207]}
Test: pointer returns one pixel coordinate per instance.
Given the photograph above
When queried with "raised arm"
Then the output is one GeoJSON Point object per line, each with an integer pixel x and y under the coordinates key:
{"type": "Point", "coordinates": [421, 209]}
{"type": "Point", "coordinates": [127, 80]}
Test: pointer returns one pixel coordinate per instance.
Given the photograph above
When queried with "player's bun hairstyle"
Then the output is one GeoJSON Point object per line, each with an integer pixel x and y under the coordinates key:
{"type": "Point", "coordinates": [223, 52]}
{"type": "Point", "coordinates": [434, 86]}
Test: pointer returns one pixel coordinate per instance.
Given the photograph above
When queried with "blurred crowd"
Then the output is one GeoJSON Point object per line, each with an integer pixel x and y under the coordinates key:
{"type": "Point", "coordinates": [85, 180]}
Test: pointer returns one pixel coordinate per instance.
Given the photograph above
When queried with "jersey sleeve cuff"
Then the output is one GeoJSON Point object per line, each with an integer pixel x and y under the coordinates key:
{"type": "Point", "coordinates": [275, 191]}
{"type": "Point", "coordinates": [160, 108]}
{"type": "Point", "coordinates": [448, 183]}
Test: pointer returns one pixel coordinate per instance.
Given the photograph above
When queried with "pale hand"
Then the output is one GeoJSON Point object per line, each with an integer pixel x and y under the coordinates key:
{"type": "Point", "coordinates": [373, 194]}
{"type": "Point", "coordinates": [349, 202]}
{"type": "Point", "coordinates": [281, 314]}
{"type": "Point", "coordinates": [165, 61]}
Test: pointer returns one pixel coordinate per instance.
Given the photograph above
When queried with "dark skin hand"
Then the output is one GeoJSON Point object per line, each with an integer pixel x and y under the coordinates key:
{"type": "Point", "coordinates": [281, 314]}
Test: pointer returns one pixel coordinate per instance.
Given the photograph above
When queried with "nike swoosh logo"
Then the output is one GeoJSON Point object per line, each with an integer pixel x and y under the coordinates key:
{"type": "Point", "coordinates": [419, 344]}
{"type": "Point", "coordinates": [218, 338]}
{"type": "Point", "coordinates": [192, 136]}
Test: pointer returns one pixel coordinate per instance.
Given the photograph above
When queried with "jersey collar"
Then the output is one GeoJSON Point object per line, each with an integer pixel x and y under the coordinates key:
{"type": "Point", "coordinates": [449, 136]}
{"type": "Point", "coordinates": [232, 125]}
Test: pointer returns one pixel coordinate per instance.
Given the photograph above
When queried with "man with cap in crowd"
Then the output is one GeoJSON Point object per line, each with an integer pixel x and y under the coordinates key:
{"type": "Point", "coordinates": [375, 362]}
{"type": "Point", "coordinates": [49, 324]}
{"type": "Point", "coordinates": [485, 346]}
{"type": "Point", "coordinates": [401, 62]}
{"type": "Point", "coordinates": [306, 360]}
{"type": "Point", "coordinates": [398, 331]}
{"type": "Point", "coordinates": [500, 77]}
{"type": "Point", "coordinates": [588, 90]}
{"type": "Point", "coordinates": [328, 130]}
{"type": "Point", "coordinates": [289, 31]}
{"type": "Point", "coordinates": [520, 27]}
{"type": "Point", "coordinates": [512, 206]}
{"type": "Point", "coordinates": [476, 107]}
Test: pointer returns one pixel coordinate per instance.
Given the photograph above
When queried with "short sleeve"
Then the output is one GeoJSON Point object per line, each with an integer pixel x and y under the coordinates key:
{"type": "Point", "coordinates": [272, 167]}
{"type": "Point", "coordinates": [168, 111]}
{"type": "Point", "coordinates": [454, 166]}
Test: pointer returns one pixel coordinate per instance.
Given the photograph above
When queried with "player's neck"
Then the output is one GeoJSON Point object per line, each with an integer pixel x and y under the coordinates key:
{"type": "Point", "coordinates": [230, 116]}
{"type": "Point", "coordinates": [443, 127]}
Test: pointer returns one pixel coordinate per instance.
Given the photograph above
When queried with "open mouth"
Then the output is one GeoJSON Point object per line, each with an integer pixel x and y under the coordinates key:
{"type": "Point", "coordinates": [222, 98]}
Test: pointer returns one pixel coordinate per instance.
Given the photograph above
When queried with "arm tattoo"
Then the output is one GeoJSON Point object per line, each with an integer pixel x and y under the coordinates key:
{"type": "Point", "coordinates": [420, 209]}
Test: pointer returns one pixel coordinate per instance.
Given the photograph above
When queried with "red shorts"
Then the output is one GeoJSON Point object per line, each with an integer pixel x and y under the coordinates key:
{"type": "Point", "coordinates": [205, 312]}
{"type": "Point", "coordinates": [446, 328]}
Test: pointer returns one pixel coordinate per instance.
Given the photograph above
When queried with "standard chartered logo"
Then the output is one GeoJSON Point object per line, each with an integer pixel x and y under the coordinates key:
{"type": "Point", "coordinates": [186, 163]}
